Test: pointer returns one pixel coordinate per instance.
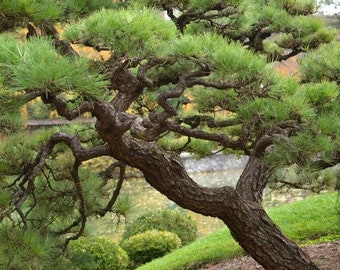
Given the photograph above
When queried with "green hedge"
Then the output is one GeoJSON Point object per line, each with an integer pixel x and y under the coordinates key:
{"type": "Point", "coordinates": [164, 220]}
{"type": "Point", "coordinates": [96, 253]}
{"type": "Point", "coordinates": [149, 245]}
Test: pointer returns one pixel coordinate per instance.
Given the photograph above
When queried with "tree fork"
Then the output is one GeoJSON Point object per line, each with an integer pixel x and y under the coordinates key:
{"type": "Point", "coordinates": [248, 222]}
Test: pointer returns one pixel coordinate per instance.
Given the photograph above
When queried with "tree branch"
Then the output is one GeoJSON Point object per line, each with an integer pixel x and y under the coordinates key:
{"type": "Point", "coordinates": [79, 152]}
{"type": "Point", "coordinates": [196, 120]}
{"type": "Point", "coordinates": [142, 70]}
{"type": "Point", "coordinates": [220, 86]}
{"type": "Point", "coordinates": [129, 88]}
{"type": "Point", "coordinates": [216, 11]}
{"type": "Point", "coordinates": [82, 204]}
{"type": "Point", "coordinates": [185, 81]}
{"type": "Point", "coordinates": [33, 169]}
{"type": "Point", "coordinates": [199, 134]}
{"type": "Point", "coordinates": [261, 145]}
{"type": "Point", "coordinates": [322, 164]}
{"type": "Point", "coordinates": [62, 108]}
{"type": "Point", "coordinates": [255, 176]}
{"type": "Point", "coordinates": [48, 29]}
{"type": "Point", "coordinates": [117, 190]}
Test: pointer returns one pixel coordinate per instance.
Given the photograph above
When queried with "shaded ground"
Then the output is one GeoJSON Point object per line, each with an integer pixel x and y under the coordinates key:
{"type": "Point", "coordinates": [326, 256]}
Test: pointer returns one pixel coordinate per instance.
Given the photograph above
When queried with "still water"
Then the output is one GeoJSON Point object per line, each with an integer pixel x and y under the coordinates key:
{"type": "Point", "coordinates": [215, 171]}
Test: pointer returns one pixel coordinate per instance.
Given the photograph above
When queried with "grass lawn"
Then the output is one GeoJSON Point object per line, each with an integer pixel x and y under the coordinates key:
{"type": "Point", "coordinates": [312, 220]}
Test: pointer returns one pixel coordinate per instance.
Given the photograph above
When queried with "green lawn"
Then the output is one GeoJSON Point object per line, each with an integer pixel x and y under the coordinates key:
{"type": "Point", "coordinates": [315, 219]}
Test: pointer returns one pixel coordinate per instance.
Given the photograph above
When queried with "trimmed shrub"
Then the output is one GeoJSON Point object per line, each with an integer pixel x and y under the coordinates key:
{"type": "Point", "coordinates": [96, 253]}
{"type": "Point", "coordinates": [149, 245]}
{"type": "Point", "coordinates": [164, 220]}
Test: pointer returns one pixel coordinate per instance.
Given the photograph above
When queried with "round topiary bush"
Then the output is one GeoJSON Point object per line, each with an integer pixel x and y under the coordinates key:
{"type": "Point", "coordinates": [149, 245]}
{"type": "Point", "coordinates": [164, 220]}
{"type": "Point", "coordinates": [92, 253]}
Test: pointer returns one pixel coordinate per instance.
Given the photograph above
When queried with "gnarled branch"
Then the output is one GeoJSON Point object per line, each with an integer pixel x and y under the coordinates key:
{"type": "Point", "coordinates": [62, 108]}
{"type": "Point", "coordinates": [222, 139]}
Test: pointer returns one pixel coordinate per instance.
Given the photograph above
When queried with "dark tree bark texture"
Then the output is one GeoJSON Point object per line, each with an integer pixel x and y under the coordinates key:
{"type": "Point", "coordinates": [238, 208]}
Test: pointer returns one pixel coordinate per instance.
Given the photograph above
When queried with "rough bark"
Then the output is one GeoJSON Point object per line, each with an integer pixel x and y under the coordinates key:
{"type": "Point", "coordinates": [263, 240]}
{"type": "Point", "coordinates": [254, 177]}
{"type": "Point", "coordinates": [247, 220]}
{"type": "Point", "coordinates": [239, 208]}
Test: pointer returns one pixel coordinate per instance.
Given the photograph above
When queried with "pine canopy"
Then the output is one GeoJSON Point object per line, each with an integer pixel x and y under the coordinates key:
{"type": "Point", "coordinates": [181, 76]}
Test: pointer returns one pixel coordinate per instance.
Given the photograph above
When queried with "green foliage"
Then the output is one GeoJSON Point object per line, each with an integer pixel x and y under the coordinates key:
{"type": "Point", "coordinates": [10, 123]}
{"type": "Point", "coordinates": [259, 13]}
{"type": "Point", "coordinates": [164, 220]}
{"type": "Point", "coordinates": [291, 102]}
{"type": "Point", "coordinates": [40, 11]}
{"type": "Point", "coordinates": [288, 15]}
{"type": "Point", "coordinates": [211, 100]}
{"type": "Point", "coordinates": [201, 147]}
{"type": "Point", "coordinates": [224, 53]}
{"type": "Point", "coordinates": [123, 206]}
{"type": "Point", "coordinates": [133, 33]}
{"type": "Point", "coordinates": [39, 67]}
{"type": "Point", "coordinates": [299, 7]}
{"type": "Point", "coordinates": [240, 64]}
{"type": "Point", "coordinates": [202, 5]}
{"type": "Point", "coordinates": [92, 185]}
{"type": "Point", "coordinates": [96, 253]}
{"type": "Point", "coordinates": [309, 219]}
{"type": "Point", "coordinates": [172, 142]}
{"type": "Point", "coordinates": [58, 201]}
{"type": "Point", "coordinates": [302, 149]}
{"type": "Point", "coordinates": [272, 48]}
{"type": "Point", "coordinates": [9, 53]}
{"type": "Point", "coordinates": [146, 246]}
{"type": "Point", "coordinates": [268, 112]}
{"type": "Point", "coordinates": [322, 96]}
{"type": "Point", "coordinates": [34, 10]}
{"type": "Point", "coordinates": [317, 139]}
{"type": "Point", "coordinates": [313, 31]}
{"type": "Point", "coordinates": [329, 124]}
{"type": "Point", "coordinates": [159, 3]}
{"type": "Point", "coordinates": [322, 64]}
{"type": "Point", "coordinates": [29, 248]}
{"type": "Point", "coordinates": [230, 62]}
{"type": "Point", "coordinates": [10, 119]}
{"type": "Point", "coordinates": [17, 146]}
{"type": "Point", "coordinates": [283, 86]}
{"type": "Point", "coordinates": [76, 8]}
{"type": "Point", "coordinates": [36, 66]}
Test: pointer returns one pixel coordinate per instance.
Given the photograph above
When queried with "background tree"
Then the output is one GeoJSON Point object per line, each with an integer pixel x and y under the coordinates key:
{"type": "Point", "coordinates": [212, 56]}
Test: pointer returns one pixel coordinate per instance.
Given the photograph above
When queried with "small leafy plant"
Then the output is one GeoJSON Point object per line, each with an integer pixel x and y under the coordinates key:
{"type": "Point", "coordinates": [164, 220]}
{"type": "Point", "coordinates": [149, 245]}
{"type": "Point", "coordinates": [96, 253]}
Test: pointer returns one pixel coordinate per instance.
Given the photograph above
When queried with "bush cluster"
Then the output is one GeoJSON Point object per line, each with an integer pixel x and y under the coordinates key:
{"type": "Point", "coordinates": [148, 237]}
{"type": "Point", "coordinates": [164, 220]}
{"type": "Point", "coordinates": [149, 245]}
{"type": "Point", "coordinates": [96, 253]}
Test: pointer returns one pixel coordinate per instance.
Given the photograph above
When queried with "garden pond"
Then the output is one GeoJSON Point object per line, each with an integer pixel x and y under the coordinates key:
{"type": "Point", "coordinates": [215, 171]}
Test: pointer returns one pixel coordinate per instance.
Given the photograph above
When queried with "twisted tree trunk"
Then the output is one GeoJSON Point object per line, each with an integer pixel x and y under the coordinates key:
{"type": "Point", "coordinates": [240, 208]}
{"type": "Point", "coordinates": [240, 211]}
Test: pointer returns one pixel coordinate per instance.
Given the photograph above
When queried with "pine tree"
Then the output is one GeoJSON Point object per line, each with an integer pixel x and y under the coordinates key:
{"type": "Point", "coordinates": [169, 76]}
